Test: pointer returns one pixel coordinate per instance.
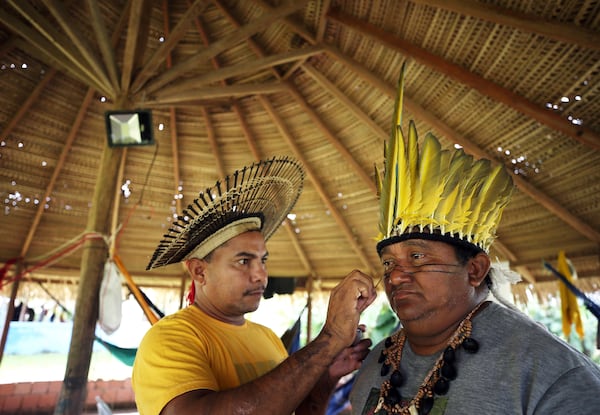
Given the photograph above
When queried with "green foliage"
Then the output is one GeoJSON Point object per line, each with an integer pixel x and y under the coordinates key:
{"type": "Point", "coordinates": [549, 314]}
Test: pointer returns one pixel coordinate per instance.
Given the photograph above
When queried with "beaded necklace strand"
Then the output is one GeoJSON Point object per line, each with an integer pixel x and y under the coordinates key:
{"type": "Point", "coordinates": [436, 382]}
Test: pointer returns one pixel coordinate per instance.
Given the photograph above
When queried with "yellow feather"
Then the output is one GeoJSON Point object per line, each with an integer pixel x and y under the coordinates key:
{"type": "Point", "coordinates": [429, 177]}
{"type": "Point", "coordinates": [486, 198]}
{"type": "Point", "coordinates": [428, 187]}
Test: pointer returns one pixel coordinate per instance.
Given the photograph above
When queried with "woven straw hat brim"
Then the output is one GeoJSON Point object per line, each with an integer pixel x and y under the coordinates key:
{"type": "Point", "coordinates": [267, 190]}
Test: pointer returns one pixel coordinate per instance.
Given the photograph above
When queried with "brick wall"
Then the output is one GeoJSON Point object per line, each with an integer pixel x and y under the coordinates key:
{"type": "Point", "coordinates": [39, 398]}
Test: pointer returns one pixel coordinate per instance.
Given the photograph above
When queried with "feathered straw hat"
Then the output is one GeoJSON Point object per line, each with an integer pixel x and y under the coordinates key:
{"type": "Point", "coordinates": [257, 197]}
{"type": "Point", "coordinates": [430, 193]}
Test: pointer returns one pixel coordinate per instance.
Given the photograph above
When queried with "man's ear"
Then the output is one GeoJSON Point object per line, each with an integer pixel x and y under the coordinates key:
{"type": "Point", "coordinates": [197, 269]}
{"type": "Point", "coordinates": [478, 267]}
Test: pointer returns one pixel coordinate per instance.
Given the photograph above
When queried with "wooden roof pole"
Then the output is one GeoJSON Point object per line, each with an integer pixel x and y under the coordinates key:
{"type": "Point", "coordinates": [163, 52]}
{"type": "Point", "coordinates": [568, 33]}
{"type": "Point", "coordinates": [58, 10]}
{"type": "Point", "coordinates": [221, 45]}
{"type": "Point", "coordinates": [11, 308]}
{"type": "Point", "coordinates": [332, 139]}
{"type": "Point", "coordinates": [95, 252]}
{"type": "Point", "coordinates": [317, 184]}
{"type": "Point", "coordinates": [505, 96]}
{"type": "Point", "coordinates": [73, 393]}
{"type": "Point", "coordinates": [214, 146]}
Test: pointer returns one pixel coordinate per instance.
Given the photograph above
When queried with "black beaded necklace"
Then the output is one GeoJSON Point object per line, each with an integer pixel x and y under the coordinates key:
{"type": "Point", "coordinates": [437, 381]}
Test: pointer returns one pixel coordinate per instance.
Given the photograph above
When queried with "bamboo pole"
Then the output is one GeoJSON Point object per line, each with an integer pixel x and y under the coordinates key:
{"type": "Point", "coordinates": [95, 252]}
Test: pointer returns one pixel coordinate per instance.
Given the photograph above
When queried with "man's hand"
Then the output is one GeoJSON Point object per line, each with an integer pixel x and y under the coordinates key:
{"type": "Point", "coordinates": [349, 359]}
{"type": "Point", "coordinates": [347, 301]}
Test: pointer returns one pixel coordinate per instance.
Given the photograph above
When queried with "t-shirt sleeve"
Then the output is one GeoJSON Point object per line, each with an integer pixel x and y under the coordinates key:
{"type": "Point", "coordinates": [158, 379]}
{"type": "Point", "coordinates": [575, 392]}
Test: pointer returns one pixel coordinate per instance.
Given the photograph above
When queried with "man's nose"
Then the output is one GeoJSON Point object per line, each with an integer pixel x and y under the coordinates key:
{"type": "Point", "coordinates": [399, 274]}
{"type": "Point", "coordinates": [258, 271]}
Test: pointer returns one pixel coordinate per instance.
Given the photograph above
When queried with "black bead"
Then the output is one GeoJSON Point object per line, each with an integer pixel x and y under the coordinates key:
{"type": "Point", "coordinates": [393, 397]}
{"type": "Point", "coordinates": [396, 379]}
{"type": "Point", "coordinates": [388, 342]}
{"type": "Point", "coordinates": [449, 355]}
{"type": "Point", "coordinates": [381, 357]}
{"type": "Point", "coordinates": [470, 345]}
{"type": "Point", "coordinates": [385, 369]}
{"type": "Point", "coordinates": [448, 371]}
{"type": "Point", "coordinates": [441, 386]}
{"type": "Point", "coordinates": [426, 405]}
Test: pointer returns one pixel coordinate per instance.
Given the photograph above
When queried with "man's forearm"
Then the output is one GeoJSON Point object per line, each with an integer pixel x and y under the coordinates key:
{"type": "Point", "coordinates": [317, 401]}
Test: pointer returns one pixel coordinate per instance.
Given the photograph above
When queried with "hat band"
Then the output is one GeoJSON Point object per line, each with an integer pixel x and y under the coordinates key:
{"type": "Point", "coordinates": [235, 228]}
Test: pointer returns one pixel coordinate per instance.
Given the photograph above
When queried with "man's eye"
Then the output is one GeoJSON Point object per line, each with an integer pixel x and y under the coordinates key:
{"type": "Point", "coordinates": [243, 261]}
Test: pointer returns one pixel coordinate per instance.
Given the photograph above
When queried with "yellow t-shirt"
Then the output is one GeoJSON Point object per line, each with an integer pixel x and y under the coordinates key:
{"type": "Point", "coordinates": [189, 350]}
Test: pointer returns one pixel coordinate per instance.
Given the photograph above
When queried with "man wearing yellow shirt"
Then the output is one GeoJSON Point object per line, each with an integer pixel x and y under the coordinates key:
{"type": "Point", "coordinates": [207, 358]}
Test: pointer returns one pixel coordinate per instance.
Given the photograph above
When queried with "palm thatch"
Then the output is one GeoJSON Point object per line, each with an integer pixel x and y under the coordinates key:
{"type": "Point", "coordinates": [230, 82]}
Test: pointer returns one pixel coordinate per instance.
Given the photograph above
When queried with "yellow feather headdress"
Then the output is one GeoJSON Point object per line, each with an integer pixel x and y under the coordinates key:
{"type": "Point", "coordinates": [430, 193]}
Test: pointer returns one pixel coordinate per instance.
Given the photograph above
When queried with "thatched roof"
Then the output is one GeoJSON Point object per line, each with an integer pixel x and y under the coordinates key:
{"type": "Point", "coordinates": [231, 82]}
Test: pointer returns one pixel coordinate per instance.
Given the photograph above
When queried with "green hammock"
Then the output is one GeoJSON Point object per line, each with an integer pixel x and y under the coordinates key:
{"type": "Point", "coordinates": [127, 356]}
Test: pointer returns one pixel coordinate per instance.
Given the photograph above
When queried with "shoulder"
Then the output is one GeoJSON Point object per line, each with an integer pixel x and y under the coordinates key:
{"type": "Point", "coordinates": [514, 335]}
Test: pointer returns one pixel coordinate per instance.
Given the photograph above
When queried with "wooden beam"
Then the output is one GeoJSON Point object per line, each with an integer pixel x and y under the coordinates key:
{"type": "Point", "coordinates": [245, 68]}
{"type": "Point", "coordinates": [134, 32]}
{"type": "Point", "coordinates": [332, 139]}
{"type": "Point", "coordinates": [52, 52]}
{"type": "Point", "coordinates": [293, 25]}
{"type": "Point", "coordinates": [104, 43]}
{"type": "Point", "coordinates": [326, 199]}
{"type": "Point", "coordinates": [325, 4]}
{"type": "Point", "coordinates": [327, 85]}
{"type": "Point", "coordinates": [95, 252]}
{"type": "Point", "coordinates": [562, 32]}
{"type": "Point", "coordinates": [505, 96]}
{"type": "Point", "coordinates": [214, 146]}
{"type": "Point", "coordinates": [83, 108]}
{"type": "Point", "coordinates": [164, 50]}
{"type": "Point", "coordinates": [77, 38]}
{"type": "Point", "coordinates": [29, 102]}
{"type": "Point", "coordinates": [219, 92]}
{"type": "Point", "coordinates": [222, 45]}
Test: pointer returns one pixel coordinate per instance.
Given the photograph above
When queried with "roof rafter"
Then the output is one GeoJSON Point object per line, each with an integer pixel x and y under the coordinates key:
{"type": "Point", "coordinates": [562, 32]}
{"type": "Point", "coordinates": [312, 176]}
{"type": "Point", "coordinates": [71, 28]}
{"type": "Point", "coordinates": [237, 70]}
{"type": "Point", "coordinates": [104, 43]}
{"type": "Point", "coordinates": [164, 50]}
{"type": "Point", "coordinates": [331, 138]}
{"type": "Point", "coordinates": [519, 103]}
{"type": "Point", "coordinates": [213, 92]}
{"type": "Point", "coordinates": [87, 100]}
{"type": "Point", "coordinates": [137, 35]}
{"type": "Point", "coordinates": [54, 51]}
{"type": "Point", "coordinates": [220, 46]}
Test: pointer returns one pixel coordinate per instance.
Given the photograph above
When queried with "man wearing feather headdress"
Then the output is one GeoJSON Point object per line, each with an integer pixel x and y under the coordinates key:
{"type": "Point", "coordinates": [457, 352]}
{"type": "Point", "coordinates": [207, 358]}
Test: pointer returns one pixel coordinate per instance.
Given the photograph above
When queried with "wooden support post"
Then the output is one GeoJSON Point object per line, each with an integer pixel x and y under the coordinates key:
{"type": "Point", "coordinates": [95, 252]}
{"type": "Point", "coordinates": [11, 308]}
